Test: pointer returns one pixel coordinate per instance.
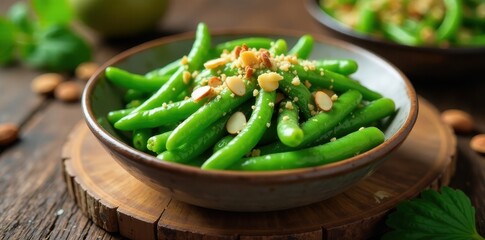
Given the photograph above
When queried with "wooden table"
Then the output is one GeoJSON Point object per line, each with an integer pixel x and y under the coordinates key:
{"type": "Point", "coordinates": [34, 202]}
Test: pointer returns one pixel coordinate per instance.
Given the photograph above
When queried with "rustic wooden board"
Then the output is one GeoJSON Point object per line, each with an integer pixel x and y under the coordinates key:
{"type": "Point", "coordinates": [117, 202]}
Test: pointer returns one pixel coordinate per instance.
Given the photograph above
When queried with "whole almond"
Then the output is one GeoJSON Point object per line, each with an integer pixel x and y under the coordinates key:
{"type": "Point", "coordinates": [8, 133]}
{"type": "Point", "coordinates": [68, 91]}
{"type": "Point", "coordinates": [85, 70]}
{"type": "Point", "coordinates": [46, 83]}
{"type": "Point", "coordinates": [477, 143]}
{"type": "Point", "coordinates": [459, 120]}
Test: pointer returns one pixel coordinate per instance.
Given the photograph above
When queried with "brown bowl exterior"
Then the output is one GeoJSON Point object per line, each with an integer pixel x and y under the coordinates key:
{"type": "Point", "coordinates": [248, 191]}
{"type": "Point", "coordinates": [422, 62]}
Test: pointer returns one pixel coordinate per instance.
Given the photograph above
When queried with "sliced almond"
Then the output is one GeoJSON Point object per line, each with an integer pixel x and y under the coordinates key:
{"type": "Point", "coordinates": [236, 85]}
{"type": "Point", "coordinates": [265, 59]}
{"type": "Point", "coordinates": [248, 58]}
{"type": "Point", "coordinates": [214, 82]}
{"type": "Point", "coordinates": [269, 81]}
{"type": "Point", "coordinates": [477, 143]}
{"type": "Point", "coordinates": [249, 72]}
{"type": "Point", "coordinates": [323, 101]}
{"type": "Point", "coordinates": [236, 123]}
{"type": "Point", "coordinates": [200, 93]}
{"type": "Point", "coordinates": [214, 63]}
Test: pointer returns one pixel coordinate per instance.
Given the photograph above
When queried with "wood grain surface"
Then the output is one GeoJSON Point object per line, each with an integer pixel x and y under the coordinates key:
{"type": "Point", "coordinates": [118, 202]}
{"type": "Point", "coordinates": [34, 201]}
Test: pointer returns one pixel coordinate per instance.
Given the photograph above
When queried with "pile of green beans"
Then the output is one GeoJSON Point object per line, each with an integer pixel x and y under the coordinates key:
{"type": "Point", "coordinates": [441, 23]}
{"type": "Point", "coordinates": [286, 128]}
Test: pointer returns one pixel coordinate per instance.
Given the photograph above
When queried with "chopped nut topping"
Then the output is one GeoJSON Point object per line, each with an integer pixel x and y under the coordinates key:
{"type": "Point", "coordinates": [236, 123]}
{"type": "Point", "coordinates": [265, 59]}
{"type": "Point", "coordinates": [214, 82]}
{"type": "Point", "coordinates": [334, 97]}
{"type": "Point", "coordinates": [269, 81]}
{"type": "Point", "coordinates": [214, 63]}
{"type": "Point", "coordinates": [200, 93]}
{"type": "Point", "coordinates": [286, 118]}
{"type": "Point", "coordinates": [289, 105]}
{"type": "Point", "coordinates": [296, 81]}
{"type": "Point", "coordinates": [186, 77]}
{"type": "Point", "coordinates": [185, 60]}
{"type": "Point", "coordinates": [307, 84]}
{"type": "Point", "coordinates": [237, 51]}
{"type": "Point", "coordinates": [249, 72]}
{"type": "Point", "coordinates": [255, 92]}
{"type": "Point", "coordinates": [236, 85]}
{"type": "Point", "coordinates": [323, 101]}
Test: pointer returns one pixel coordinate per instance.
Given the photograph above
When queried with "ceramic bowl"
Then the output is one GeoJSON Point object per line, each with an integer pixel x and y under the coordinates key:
{"type": "Point", "coordinates": [249, 191]}
{"type": "Point", "coordinates": [427, 63]}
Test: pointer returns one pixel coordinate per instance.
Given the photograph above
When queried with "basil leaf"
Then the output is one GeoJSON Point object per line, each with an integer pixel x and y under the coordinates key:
{"type": "Point", "coordinates": [18, 14]}
{"type": "Point", "coordinates": [58, 48]}
{"type": "Point", "coordinates": [50, 12]}
{"type": "Point", "coordinates": [448, 215]}
{"type": "Point", "coordinates": [7, 41]}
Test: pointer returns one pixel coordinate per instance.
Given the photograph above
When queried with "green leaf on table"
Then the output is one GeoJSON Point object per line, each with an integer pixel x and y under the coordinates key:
{"type": "Point", "coordinates": [18, 14]}
{"type": "Point", "coordinates": [50, 12]}
{"type": "Point", "coordinates": [58, 48]}
{"type": "Point", "coordinates": [448, 215]}
{"type": "Point", "coordinates": [7, 41]}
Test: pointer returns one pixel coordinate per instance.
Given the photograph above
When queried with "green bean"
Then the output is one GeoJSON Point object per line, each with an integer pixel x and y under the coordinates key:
{"type": "Point", "coordinates": [116, 115]}
{"type": "Point", "coordinates": [322, 122]}
{"type": "Point", "coordinates": [300, 94]}
{"type": "Point", "coordinates": [198, 145]}
{"type": "Point", "coordinates": [323, 78]}
{"type": "Point", "coordinates": [175, 84]}
{"type": "Point", "coordinates": [222, 143]}
{"type": "Point", "coordinates": [134, 103]}
{"type": "Point", "coordinates": [132, 94]}
{"type": "Point", "coordinates": [367, 18]}
{"type": "Point", "coordinates": [129, 80]}
{"type": "Point", "coordinates": [168, 69]}
{"type": "Point", "coordinates": [400, 35]}
{"type": "Point", "coordinates": [270, 135]}
{"type": "Point", "coordinates": [279, 47]}
{"type": "Point", "coordinates": [248, 137]}
{"type": "Point", "coordinates": [362, 117]}
{"type": "Point", "coordinates": [207, 114]}
{"type": "Point", "coordinates": [303, 47]}
{"type": "Point", "coordinates": [452, 20]}
{"type": "Point", "coordinates": [157, 143]}
{"type": "Point", "coordinates": [288, 130]}
{"type": "Point", "coordinates": [252, 42]}
{"type": "Point", "coordinates": [348, 146]}
{"type": "Point", "coordinates": [340, 66]}
{"type": "Point", "coordinates": [159, 116]}
{"type": "Point", "coordinates": [140, 138]}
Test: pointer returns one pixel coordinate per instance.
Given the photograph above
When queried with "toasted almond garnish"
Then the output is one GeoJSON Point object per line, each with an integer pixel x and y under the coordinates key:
{"type": "Point", "coordinates": [200, 93]}
{"type": "Point", "coordinates": [186, 77]}
{"type": "Point", "coordinates": [236, 123]}
{"type": "Point", "coordinates": [265, 58]}
{"type": "Point", "coordinates": [323, 101]}
{"type": "Point", "coordinates": [248, 58]}
{"type": "Point", "coordinates": [185, 60]}
{"type": "Point", "coordinates": [214, 63]}
{"type": "Point", "coordinates": [269, 81]}
{"type": "Point", "coordinates": [249, 72]}
{"type": "Point", "coordinates": [244, 47]}
{"type": "Point", "coordinates": [236, 85]}
{"type": "Point", "coordinates": [214, 82]}
{"type": "Point", "coordinates": [237, 51]}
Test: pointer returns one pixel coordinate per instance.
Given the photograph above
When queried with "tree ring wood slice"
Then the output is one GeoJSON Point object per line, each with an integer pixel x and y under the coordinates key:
{"type": "Point", "coordinates": [117, 202]}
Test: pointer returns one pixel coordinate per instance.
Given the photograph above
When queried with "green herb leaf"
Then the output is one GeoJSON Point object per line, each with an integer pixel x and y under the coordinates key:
{"type": "Point", "coordinates": [448, 215]}
{"type": "Point", "coordinates": [52, 12]}
{"type": "Point", "coordinates": [58, 48]}
{"type": "Point", "coordinates": [18, 14]}
{"type": "Point", "coordinates": [7, 41]}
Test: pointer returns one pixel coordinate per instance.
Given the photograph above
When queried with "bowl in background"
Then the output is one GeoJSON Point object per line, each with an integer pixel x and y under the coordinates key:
{"type": "Point", "coordinates": [249, 191]}
{"type": "Point", "coordinates": [421, 61]}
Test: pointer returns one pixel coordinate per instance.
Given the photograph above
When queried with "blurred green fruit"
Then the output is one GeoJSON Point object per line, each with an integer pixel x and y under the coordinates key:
{"type": "Point", "coordinates": [119, 18]}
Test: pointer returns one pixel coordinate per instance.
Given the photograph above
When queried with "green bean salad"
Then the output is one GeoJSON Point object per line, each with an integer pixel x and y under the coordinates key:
{"type": "Point", "coordinates": [440, 23]}
{"type": "Point", "coordinates": [250, 104]}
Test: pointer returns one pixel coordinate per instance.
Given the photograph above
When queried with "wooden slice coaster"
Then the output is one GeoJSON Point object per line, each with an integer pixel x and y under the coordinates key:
{"type": "Point", "coordinates": [117, 202]}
